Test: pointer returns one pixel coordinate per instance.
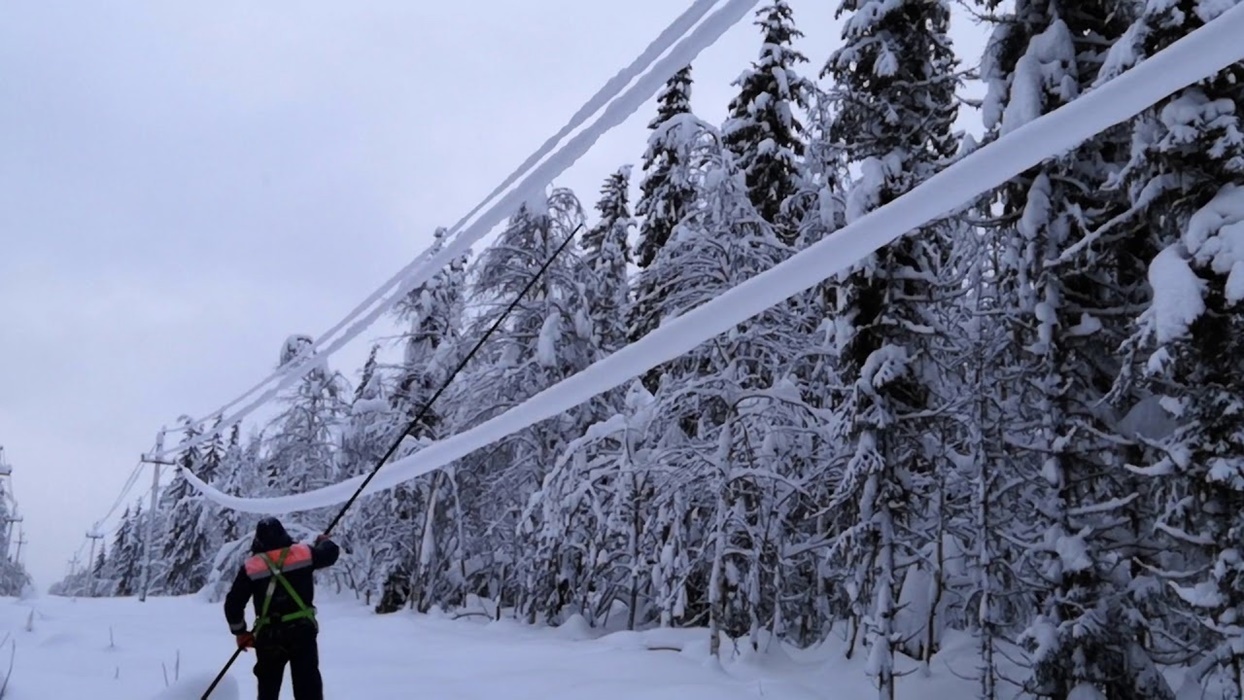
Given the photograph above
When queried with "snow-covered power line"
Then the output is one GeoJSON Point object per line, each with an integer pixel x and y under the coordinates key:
{"type": "Point", "coordinates": [470, 228]}
{"type": "Point", "coordinates": [1197, 56]}
{"type": "Point", "coordinates": [123, 494]}
{"type": "Point", "coordinates": [125, 491]}
{"type": "Point", "coordinates": [667, 38]}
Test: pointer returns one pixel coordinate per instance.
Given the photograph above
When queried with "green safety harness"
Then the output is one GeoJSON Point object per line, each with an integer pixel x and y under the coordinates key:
{"type": "Point", "coordinates": [304, 611]}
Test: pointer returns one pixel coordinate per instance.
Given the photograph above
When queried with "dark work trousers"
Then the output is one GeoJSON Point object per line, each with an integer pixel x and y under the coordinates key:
{"type": "Point", "coordinates": [294, 644]}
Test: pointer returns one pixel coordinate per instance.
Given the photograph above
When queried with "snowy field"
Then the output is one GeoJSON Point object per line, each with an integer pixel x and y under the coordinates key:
{"type": "Point", "coordinates": [118, 648]}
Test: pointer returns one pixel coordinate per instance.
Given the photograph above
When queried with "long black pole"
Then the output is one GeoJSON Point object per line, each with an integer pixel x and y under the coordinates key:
{"type": "Point", "coordinates": [423, 411]}
{"type": "Point", "coordinates": [220, 676]}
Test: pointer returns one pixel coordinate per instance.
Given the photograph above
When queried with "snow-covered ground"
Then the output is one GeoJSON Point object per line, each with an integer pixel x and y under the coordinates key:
{"type": "Point", "coordinates": [121, 648]}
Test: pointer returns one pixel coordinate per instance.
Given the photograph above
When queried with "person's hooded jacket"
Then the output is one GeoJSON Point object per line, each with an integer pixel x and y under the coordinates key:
{"type": "Point", "coordinates": [253, 578]}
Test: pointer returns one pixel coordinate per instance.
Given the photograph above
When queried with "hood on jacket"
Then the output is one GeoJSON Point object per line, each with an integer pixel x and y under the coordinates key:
{"type": "Point", "coordinates": [270, 534]}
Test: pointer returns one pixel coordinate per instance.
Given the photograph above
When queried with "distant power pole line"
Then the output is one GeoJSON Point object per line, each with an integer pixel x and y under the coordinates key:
{"type": "Point", "coordinates": [155, 463]}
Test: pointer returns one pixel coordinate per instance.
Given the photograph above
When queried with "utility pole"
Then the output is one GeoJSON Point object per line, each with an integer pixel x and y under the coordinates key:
{"type": "Point", "coordinates": [94, 534]}
{"type": "Point", "coordinates": [7, 470]}
{"type": "Point", "coordinates": [8, 533]}
{"type": "Point", "coordinates": [155, 461]}
{"type": "Point", "coordinates": [21, 540]}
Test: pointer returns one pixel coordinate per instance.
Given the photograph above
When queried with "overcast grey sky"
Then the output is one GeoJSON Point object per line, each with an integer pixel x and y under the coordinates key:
{"type": "Point", "coordinates": [184, 185]}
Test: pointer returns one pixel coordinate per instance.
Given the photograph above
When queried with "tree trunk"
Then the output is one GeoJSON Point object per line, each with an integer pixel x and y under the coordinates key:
{"type": "Point", "coordinates": [716, 583]}
{"type": "Point", "coordinates": [939, 567]}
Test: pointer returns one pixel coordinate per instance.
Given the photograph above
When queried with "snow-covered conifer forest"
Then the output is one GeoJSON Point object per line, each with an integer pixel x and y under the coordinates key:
{"type": "Point", "coordinates": [1023, 423]}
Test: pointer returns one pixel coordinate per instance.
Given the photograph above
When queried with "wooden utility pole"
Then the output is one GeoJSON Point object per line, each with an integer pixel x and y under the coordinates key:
{"type": "Point", "coordinates": [155, 461]}
{"type": "Point", "coordinates": [7, 470]}
{"type": "Point", "coordinates": [8, 532]}
{"type": "Point", "coordinates": [21, 540]}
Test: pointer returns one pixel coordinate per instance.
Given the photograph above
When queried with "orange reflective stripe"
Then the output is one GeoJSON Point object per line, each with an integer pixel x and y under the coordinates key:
{"type": "Point", "coordinates": [299, 557]}
{"type": "Point", "coordinates": [256, 568]}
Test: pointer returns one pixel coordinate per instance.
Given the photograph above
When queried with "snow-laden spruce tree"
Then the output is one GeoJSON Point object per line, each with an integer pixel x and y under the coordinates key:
{"type": "Point", "coordinates": [573, 536]}
{"type": "Point", "coordinates": [894, 110]}
{"type": "Point", "coordinates": [818, 208]}
{"type": "Point", "coordinates": [666, 196]}
{"type": "Point", "coordinates": [367, 530]}
{"type": "Point", "coordinates": [1066, 278]}
{"type": "Point", "coordinates": [98, 568]}
{"type": "Point", "coordinates": [191, 535]}
{"type": "Point", "coordinates": [983, 356]}
{"type": "Point", "coordinates": [593, 513]}
{"type": "Point", "coordinates": [1186, 180]}
{"type": "Point", "coordinates": [410, 520]}
{"type": "Point", "coordinates": [606, 257]}
{"type": "Point", "coordinates": [369, 423]}
{"type": "Point", "coordinates": [241, 473]}
{"type": "Point", "coordinates": [770, 513]}
{"type": "Point", "coordinates": [965, 578]}
{"type": "Point", "coordinates": [763, 129]}
{"type": "Point", "coordinates": [303, 441]}
{"type": "Point", "coordinates": [716, 471]}
{"type": "Point", "coordinates": [124, 567]}
{"type": "Point", "coordinates": [546, 338]}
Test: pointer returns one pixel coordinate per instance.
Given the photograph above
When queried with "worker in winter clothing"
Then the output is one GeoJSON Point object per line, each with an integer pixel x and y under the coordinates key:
{"type": "Point", "coordinates": [277, 577]}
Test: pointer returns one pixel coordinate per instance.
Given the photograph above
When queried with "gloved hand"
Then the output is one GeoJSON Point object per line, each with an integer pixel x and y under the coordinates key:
{"type": "Point", "coordinates": [246, 640]}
